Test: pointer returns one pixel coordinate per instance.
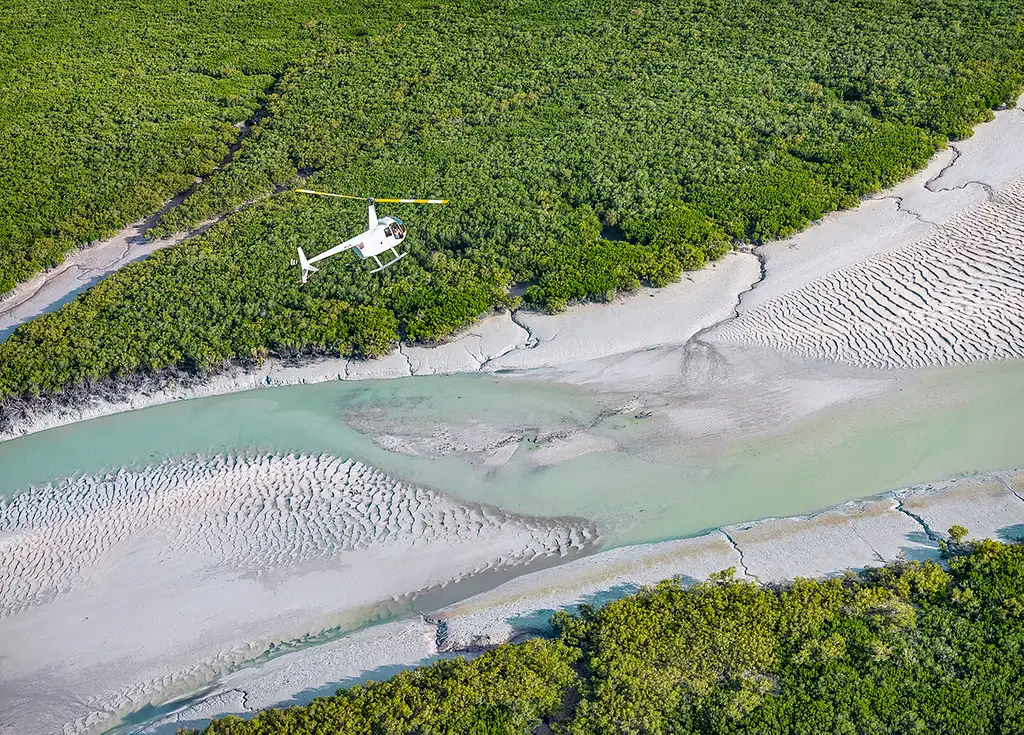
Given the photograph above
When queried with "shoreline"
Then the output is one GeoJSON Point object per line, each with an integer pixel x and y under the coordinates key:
{"type": "Point", "coordinates": [905, 523]}
{"type": "Point", "coordinates": [957, 179]}
{"type": "Point", "coordinates": [497, 343]}
{"type": "Point", "coordinates": [902, 523]}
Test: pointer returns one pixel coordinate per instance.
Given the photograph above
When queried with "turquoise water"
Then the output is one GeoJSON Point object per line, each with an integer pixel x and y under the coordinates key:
{"type": "Point", "coordinates": [934, 424]}
{"type": "Point", "coordinates": [942, 422]}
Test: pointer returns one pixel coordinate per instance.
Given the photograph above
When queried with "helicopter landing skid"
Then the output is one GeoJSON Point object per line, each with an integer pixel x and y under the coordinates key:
{"type": "Point", "coordinates": [388, 264]}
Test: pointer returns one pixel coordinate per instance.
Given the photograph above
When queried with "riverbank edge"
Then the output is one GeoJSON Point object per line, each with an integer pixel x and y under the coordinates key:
{"type": "Point", "coordinates": [716, 298]}
{"type": "Point", "coordinates": [904, 524]}
{"type": "Point", "coordinates": [699, 301]}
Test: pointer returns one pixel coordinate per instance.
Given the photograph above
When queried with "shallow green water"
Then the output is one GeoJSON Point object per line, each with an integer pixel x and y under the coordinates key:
{"type": "Point", "coordinates": [943, 422]}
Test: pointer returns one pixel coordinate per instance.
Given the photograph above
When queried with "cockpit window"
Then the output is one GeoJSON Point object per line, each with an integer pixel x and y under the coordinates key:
{"type": "Point", "coordinates": [387, 232]}
{"type": "Point", "coordinates": [398, 230]}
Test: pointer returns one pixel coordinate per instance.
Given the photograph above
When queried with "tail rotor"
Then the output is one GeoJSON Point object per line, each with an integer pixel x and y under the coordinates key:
{"type": "Point", "coordinates": [306, 267]}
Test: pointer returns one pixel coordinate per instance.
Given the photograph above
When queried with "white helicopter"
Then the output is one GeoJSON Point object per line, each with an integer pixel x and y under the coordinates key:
{"type": "Point", "coordinates": [383, 234]}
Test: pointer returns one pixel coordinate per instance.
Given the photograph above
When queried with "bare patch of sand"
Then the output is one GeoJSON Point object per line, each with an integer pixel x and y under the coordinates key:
{"type": "Point", "coordinates": [956, 295]}
{"type": "Point", "coordinates": [648, 318]}
{"type": "Point", "coordinates": [82, 269]}
{"type": "Point", "coordinates": [372, 654]}
{"type": "Point", "coordinates": [562, 449]}
{"type": "Point", "coordinates": [990, 159]}
{"type": "Point", "coordinates": [988, 506]}
{"type": "Point", "coordinates": [964, 175]}
{"type": "Point", "coordinates": [125, 589]}
{"type": "Point", "coordinates": [432, 439]}
{"type": "Point", "coordinates": [490, 441]}
{"type": "Point", "coordinates": [854, 535]}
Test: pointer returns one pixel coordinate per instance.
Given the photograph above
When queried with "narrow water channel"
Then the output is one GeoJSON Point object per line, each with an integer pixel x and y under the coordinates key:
{"type": "Point", "coordinates": [639, 485]}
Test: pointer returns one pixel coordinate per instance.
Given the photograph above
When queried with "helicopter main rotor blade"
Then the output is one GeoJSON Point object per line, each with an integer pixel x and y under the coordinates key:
{"type": "Point", "coordinates": [329, 194]}
{"type": "Point", "coordinates": [373, 199]}
{"type": "Point", "coordinates": [413, 201]}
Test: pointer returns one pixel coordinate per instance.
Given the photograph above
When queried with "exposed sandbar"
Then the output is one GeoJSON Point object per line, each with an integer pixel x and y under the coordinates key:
{"type": "Point", "coordinates": [954, 296]}
{"type": "Point", "coordinates": [133, 587]}
{"type": "Point", "coordinates": [962, 176]}
{"type": "Point", "coordinates": [297, 678]}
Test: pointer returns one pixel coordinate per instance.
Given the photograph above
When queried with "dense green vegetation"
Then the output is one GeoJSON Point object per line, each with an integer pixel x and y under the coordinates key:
{"type": "Point", "coordinates": [588, 146]}
{"type": "Point", "coordinates": [909, 648]}
{"type": "Point", "coordinates": [106, 110]}
{"type": "Point", "coordinates": [510, 689]}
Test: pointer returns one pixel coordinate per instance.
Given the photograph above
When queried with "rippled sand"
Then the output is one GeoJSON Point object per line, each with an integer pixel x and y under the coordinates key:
{"type": "Point", "coordinates": [954, 296]}
{"type": "Point", "coordinates": [125, 588]}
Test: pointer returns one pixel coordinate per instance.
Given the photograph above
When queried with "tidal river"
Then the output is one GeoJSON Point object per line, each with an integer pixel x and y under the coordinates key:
{"type": "Point", "coordinates": [547, 450]}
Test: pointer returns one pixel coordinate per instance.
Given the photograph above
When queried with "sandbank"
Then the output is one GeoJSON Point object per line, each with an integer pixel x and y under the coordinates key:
{"type": "Point", "coordinates": [903, 524]}
{"type": "Point", "coordinates": [956, 179]}
{"type": "Point", "coordinates": [955, 295]}
{"type": "Point", "coordinates": [218, 560]}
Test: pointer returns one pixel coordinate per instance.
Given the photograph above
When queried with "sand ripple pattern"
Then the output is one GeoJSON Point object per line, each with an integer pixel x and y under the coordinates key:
{"type": "Point", "coordinates": [955, 296]}
{"type": "Point", "coordinates": [245, 513]}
